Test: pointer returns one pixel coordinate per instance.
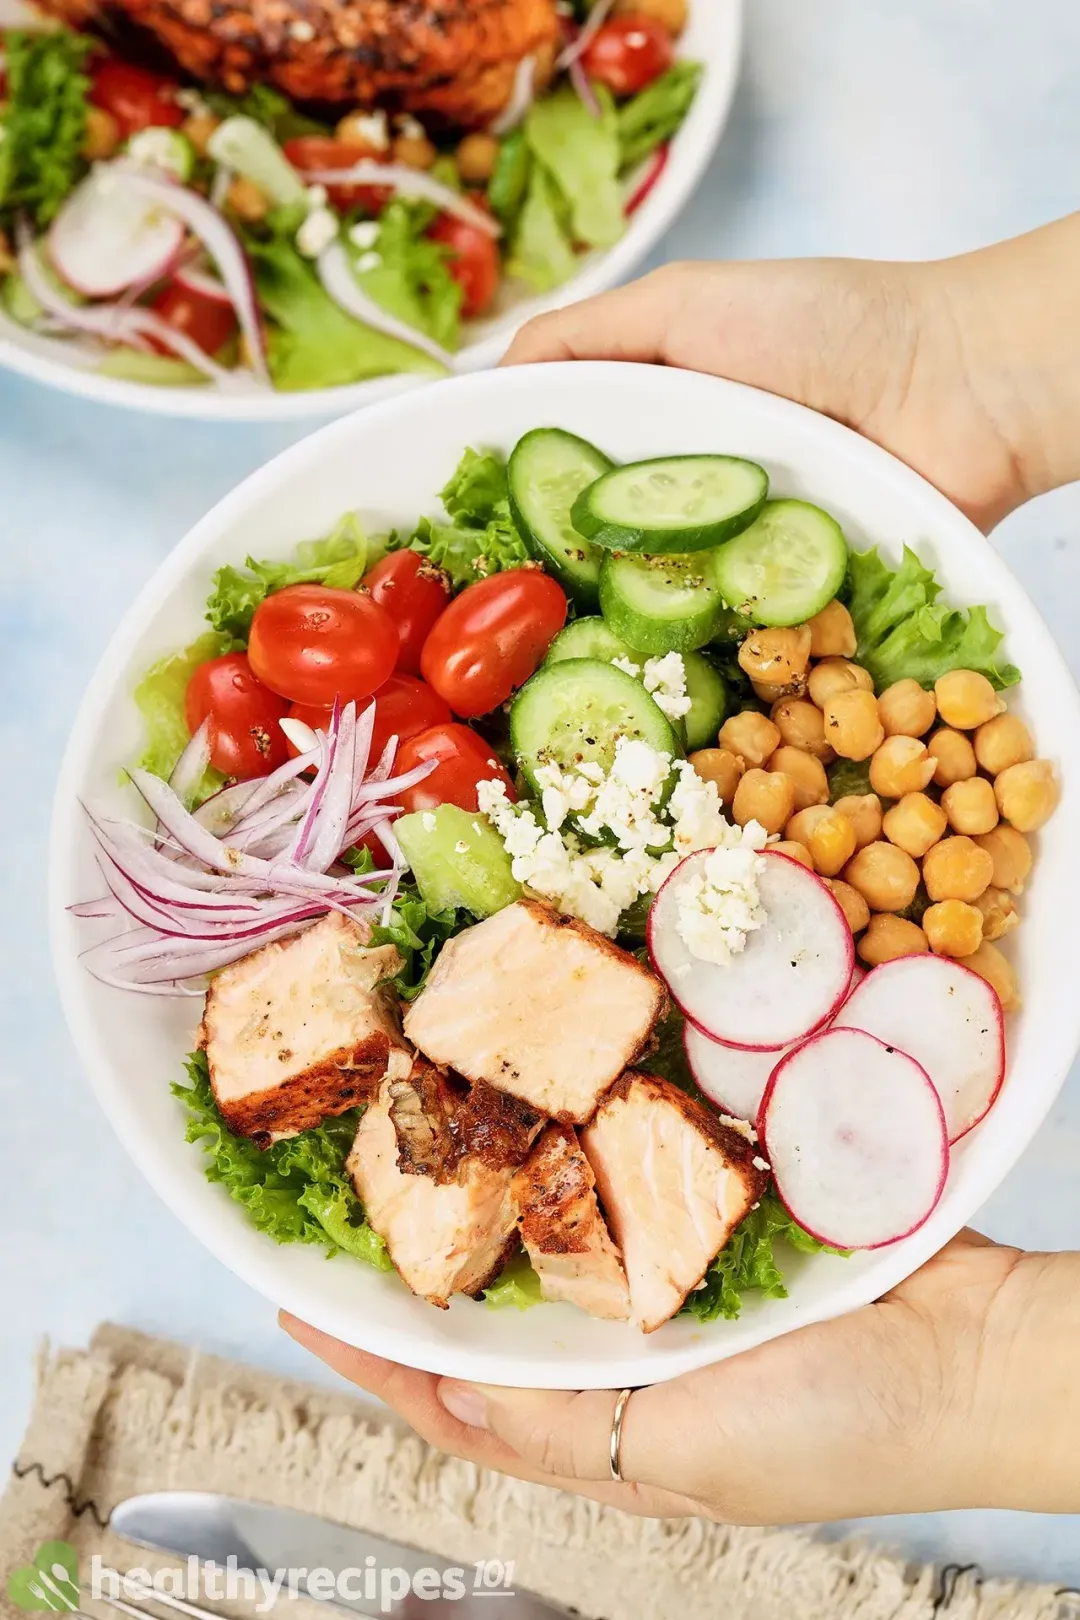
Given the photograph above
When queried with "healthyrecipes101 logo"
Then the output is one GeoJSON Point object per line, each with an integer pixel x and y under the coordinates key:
{"type": "Point", "coordinates": [49, 1581]}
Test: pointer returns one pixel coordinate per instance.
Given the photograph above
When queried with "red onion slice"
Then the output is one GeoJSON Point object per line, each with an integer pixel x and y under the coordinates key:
{"type": "Point", "coordinates": [521, 98]}
{"type": "Point", "coordinates": [341, 285]}
{"type": "Point", "coordinates": [580, 81]}
{"type": "Point", "coordinates": [585, 35]}
{"type": "Point", "coordinates": [190, 768]}
{"type": "Point", "coordinates": [653, 170]}
{"type": "Point", "coordinates": [202, 283]}
{"type": "Point", "coordinates": [408, 183]}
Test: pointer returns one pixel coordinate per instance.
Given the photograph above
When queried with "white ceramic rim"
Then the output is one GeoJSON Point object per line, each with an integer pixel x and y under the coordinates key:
{"type": "Point", "coordinates": [715, 38]}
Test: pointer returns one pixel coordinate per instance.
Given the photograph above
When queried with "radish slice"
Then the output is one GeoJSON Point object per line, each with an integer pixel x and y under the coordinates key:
{"type": "Point", "coordinates": [107, 237]}
{"type": "Point", "coordinates": [947, 1019]}
{"type": "Point", "coordinates": [855, 1134]}
{"type": "Point", "coordinates": [788, 981]}
{"type": "Point", "coordinates": [196, 280]}
{"type": "Point", "coordinates": [733, 1080]}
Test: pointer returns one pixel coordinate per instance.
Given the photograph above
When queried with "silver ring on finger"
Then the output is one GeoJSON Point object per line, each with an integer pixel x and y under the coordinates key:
{"type": "Point", "coordinates": [615, 1445]}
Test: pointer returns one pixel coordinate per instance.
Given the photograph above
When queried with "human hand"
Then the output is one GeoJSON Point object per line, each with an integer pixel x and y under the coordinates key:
{"type": "Point", "coordinates": [954, 1390]}
{"type": "Point", "coordinates": [967, 369]}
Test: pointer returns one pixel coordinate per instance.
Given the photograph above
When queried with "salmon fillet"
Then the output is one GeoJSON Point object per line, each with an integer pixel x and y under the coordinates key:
{"type": "Point", "coordinates": [443, 1238]}
{"type": "Point", "coordinates": [301, 1030]}
{"type": "Point", "coordinates": [564, 1231]}
{"type": "Point", "coordinates": [675, 1183]}
{"type": "Point", "coordinates": [538, 1005]}
{"type": "Point", "coordinates": [440, 1121]}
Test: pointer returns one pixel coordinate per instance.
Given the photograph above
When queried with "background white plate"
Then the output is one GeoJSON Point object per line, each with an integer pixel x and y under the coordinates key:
{"type": "Point", "coordinates": [388, 462]}
{"type": "Point", "coordinates": [713, 37]}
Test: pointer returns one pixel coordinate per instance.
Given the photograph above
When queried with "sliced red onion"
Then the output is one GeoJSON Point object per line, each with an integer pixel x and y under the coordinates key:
{"type": "Point", "coordinates": [409, 183]}
{"type": "Point", "coordinates": [585, 92]}
{"type": "Point", "coordinates": [521, 98]}
{"type": "Point", "coordinates": [654, 169]}
{"type": "Point", "coordinates": [341, 285]}
{"type": "Point", "coordinates": [201, 282]}
{"type": "Point", "coordinates": [585, 35]}
{"type": "Point", "coordinates": [190, 768]}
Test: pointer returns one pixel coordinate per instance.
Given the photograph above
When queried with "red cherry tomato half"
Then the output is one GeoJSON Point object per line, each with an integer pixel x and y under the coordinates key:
{"type": "Point", "coordinates": [414, 593]}
{"type": "Point", "coordinates": [464, 759]}
{"type": "Point", "coordinates": [245, 737]}
{"type": "Point", "coordinates": [313, 644]}
{"type": "Point", "coordinates": [310, 153]}
{"type": "Point", "coordinates": [206, 321]}
{"type": "Point", "coordinates": [473, 261]}
{"type": "Point", "coordinates": [491, 638]}
{"type": "Point", "coordinates": [628, 53]}
{"type": "Point", "coordinates": [136, 98]}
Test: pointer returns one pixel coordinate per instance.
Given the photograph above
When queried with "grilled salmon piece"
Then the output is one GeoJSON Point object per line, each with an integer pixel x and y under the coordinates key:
{"type": "Point", "coordinates": [302, 1029]}
{"type": "Point", "coordinates": [444, 1238]}
{"type": "Point", "coordinates": [675, 1183]}
{"type": "Point", "coordinates": [564, 1231]}
{"type": "Point", "coordinates": [538, 1005]}
{"type": "Point", "coordinates": [440, 1121]}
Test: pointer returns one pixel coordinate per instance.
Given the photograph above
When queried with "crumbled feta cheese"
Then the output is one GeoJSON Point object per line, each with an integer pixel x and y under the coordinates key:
{"type": "Point", "coordinates": [628, 666]}
{"type": "Point", "coordinates": [364, 234]}
{"type": "Point", "coordinates": [428, 822]}
{"type": "Point", "coordinates": [316, 196]}
{"type": "Point", "coordinates": [160, 149]}
{"type": "Point", "coordinates": [368, 261]}
{"type": "Point", "coordinates": [759, 1163]}
{"type": "Point", "coordinates": [743, 1126]}
{"type": "Point", "coordinates": [316, 233]}
{"type": "Point", "coordinates": [719, 906]}
{"type": "Point", "coordinates": [665, 679]}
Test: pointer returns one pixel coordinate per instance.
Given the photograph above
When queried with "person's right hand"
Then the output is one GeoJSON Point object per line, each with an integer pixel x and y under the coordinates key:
{"type": "Point", "coordinates": [968, 369]}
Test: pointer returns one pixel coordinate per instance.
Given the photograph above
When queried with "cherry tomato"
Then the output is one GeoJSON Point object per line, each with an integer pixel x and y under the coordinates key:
{"type": "Point", "coordinates": [628, 53]}
{"type": "Point", "coordinates": [473, 261]}
{"type": "Point", "coordinates": [312, 152]}
{"type": "Point", "coordinates": [491, 638]}
{"type": "Point", "coordinates": [313, 644]}
{"type": "Point", "coordinates": [414, 593]}
{"type": "Point", "coordinates": [245, 737]}
{"type": "Point", "coordinates": [136, 98]}
{"type": "Point", "coordinates": [464, 759]}
{"type": "Point", "coordinates": [403, 707]}
{"type": "Point", "coordinates": [206, 321]}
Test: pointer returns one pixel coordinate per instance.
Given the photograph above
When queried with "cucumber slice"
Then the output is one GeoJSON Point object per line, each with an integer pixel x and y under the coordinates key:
{"type": "Point", "coordinates": [786, 566]}
{"type": "Point", "coordinates": [547, 470]}
{"type": "Point", "coordinates": [674, 503]}
{"type": "Point", "coordinates": [661, 604]}
{"type": "Point", "coordinates": [577, 710]}
{"type": "Point", "coordinates": [707, 691]}
{"type": "Point", "coordinates": [458, 860]}
{"type": "Point", "coordinates": [589, 638]}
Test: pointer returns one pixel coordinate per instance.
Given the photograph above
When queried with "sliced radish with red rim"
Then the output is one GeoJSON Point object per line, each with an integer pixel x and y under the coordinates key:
{"type": "Point", "coordinates": [855, 1135]}
{"type": "Point", "coordinates": [789, 980]}
{"type": "Point", "coordinates": [732, 1078]}
{"type": "Point", "coordinates": [107, 238]}
{"type": "Point", "coordinates": [948, 1019]}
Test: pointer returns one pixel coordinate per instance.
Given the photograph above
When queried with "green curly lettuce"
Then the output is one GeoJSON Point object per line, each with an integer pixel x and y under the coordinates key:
{"type": "Point", "coordinates": [159, 698]}
{"type": "Point", "coordinates": [43, 122]}
{"type": "Point", "coordinates": [516, 1287]}
{"type": "Point", "coordinates": [747, 1263]}
{"type": "Point", "coordinates": [340, 561]}
{"type": "Point", "coordinates": [406, 273]}
{"type": "Point", "coordinates": [483, 538]}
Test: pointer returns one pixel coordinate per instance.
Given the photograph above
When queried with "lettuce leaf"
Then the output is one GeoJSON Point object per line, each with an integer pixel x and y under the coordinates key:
{"type": "Point", "coordinates": [906, 633]}
{"type": "Point", "coordinates": [479, 490]}
{"type": "Point", "coordinates": [43, 124]}
{"type": "Point", "coordinates": [483, 538]}
{"type": "Point", "coordinates": [581, 154]}
{"type": "Point", "coordinates": [748, 1262]}
{"type": "Point", "coordinates": [655, 114]}
{"type": "Point", "coordinates": [517, 1286]}
{"type": "Point", "coordinates": [411, 279]}
{"type": "Point", "coordinates": [509, 183]}
{"type": "Point", "coordinates": [848, 777]}
{"type": "Point", "coordinates": [340, 561]}
{"type": "Point", "coordinates": [418, 933]}
{"type": "Point", "coordinates": [268, 107]}
{"type": "Point", "coordinates": [297, 1191]}
{"type": "Point", "coordinates": [159, 698]}
{"type": "Point", "coordinates": [541, 252]}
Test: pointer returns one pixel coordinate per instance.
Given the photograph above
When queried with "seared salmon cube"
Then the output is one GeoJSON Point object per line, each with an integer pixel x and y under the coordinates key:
{"type": "Point", "coordinates": [564, 1231]}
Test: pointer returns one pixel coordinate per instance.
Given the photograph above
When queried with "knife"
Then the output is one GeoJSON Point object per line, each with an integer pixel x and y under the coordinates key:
{"type": "Point", "coordinates": [369, 1575]}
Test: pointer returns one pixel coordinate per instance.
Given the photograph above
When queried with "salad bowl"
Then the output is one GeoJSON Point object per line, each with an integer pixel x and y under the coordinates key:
{"type": "Point", "coordinates": [385, 464]}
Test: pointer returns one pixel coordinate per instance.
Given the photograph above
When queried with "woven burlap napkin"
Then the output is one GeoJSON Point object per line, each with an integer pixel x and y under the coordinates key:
{"type": "Point", "coordinates": [136, 1414]}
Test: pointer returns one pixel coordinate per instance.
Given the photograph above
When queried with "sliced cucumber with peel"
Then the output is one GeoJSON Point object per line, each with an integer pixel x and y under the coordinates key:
{"type": "Point", "coordinates": [786, 566]}
{"type": "Point", "coordinates": [661, 604]}
{"type": "Point", "coordinates": [590, 637]}
{"type": "Point", "coordinates": [577, 710]}
{"type": "Point", "coordinates": [707, 691]}
{"type": "Point", "coordinates": [671, 504]}
{"type": "Point", "coordinates": [548, 469]}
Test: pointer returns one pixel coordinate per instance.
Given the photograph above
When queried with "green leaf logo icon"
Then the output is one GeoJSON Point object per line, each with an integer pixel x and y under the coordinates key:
{"type": "Point", "coordinates": [50, 1582]}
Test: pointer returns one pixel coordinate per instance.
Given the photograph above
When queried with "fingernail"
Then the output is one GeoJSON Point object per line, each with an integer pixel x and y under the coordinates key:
{"type": "Point", "coordinates": [464, 1403]}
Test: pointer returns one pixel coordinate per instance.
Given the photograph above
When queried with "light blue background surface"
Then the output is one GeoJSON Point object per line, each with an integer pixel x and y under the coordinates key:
{"type": "Point", "coordinates": [861, 127]}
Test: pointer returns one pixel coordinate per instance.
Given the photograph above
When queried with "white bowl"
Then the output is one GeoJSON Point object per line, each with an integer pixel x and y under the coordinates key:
{"type": "Point", "coordinates": [388, 463]}
{"type": "Point", "coordinates": [713, 37]}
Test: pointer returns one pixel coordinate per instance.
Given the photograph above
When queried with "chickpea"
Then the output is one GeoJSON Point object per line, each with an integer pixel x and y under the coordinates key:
{"type": "Point", "coordinates": [953, 755]}
{"type": "Point", "coordinates": [971, 806]}
{"type": "Point", "coordinates": [852, 724]}
{"type": "Point", "coordinates": [998, 972]}
{"type": "Point", "coordinates": [414, 151]}
{"type": "Point", "coordinates": [832, 634]}
{"type": "Point", "coordinates": [999, 913]}
{"type": "Point", "coordinates": [1001, 742]}
{"type": "Point", "coordinates": [1027, 794]}
{"type": "Point", "coordinates": [476, 157]}
{"type": "Point", "coordinates": [247, 201]}
{"type": "Point", "coordinates": [776, 657]}
{"type": "Point", "coordinates": [364, 129]}
{"type": "Point", "coordinates": [914, 824]}
{"type": "Point", "coordinates": [887, 938]}
{"type": "Point", "coordinates": [906, 709]}
{"type": "Point", "coordinates": [198, 127]}
{"type": "Point", "coordinates": [802, 726]}
{"type": "Point", "coordinates": [863, 810]}
{"type": "Point", "coordinates": [806, 772]}
{"type": "Point", "coordinates": [766, 797]}
{"type": "Point", "coordinates": [901, 765]}
{"type": "Point", "coordinates": [772, 694]}
{"type": "Point", "coordinates": [102, 135]}
{"type": "Point", "coordinates": [670, 14]}
{"type": "Point", "coordinates": [1011, 854]}
{"type": "Point", "coordinates": [834, 675]}
{"type": "Point", "coordinates": [957, 869]}
{"type": "Point", "coordinates": [794, 851]}
{"type": "Point", "coordinates": [851, 903]}
{"type": "Point", "coordinates": [721, 766]}
{"type": "Point", "coordinates": [752, 736]}
{"type": "Point", "coordinates": [953, 928]}
{"type": "Point", "coordinates": [828, 835]}
{"type": "Point", "coordinates": [884, 875]}
{"type": "Point", "coordinates": [965, 699]}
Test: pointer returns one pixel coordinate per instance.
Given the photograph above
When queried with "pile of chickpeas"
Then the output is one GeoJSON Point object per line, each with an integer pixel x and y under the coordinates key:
{"type": "Point", "coordinates": [933, 857]}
